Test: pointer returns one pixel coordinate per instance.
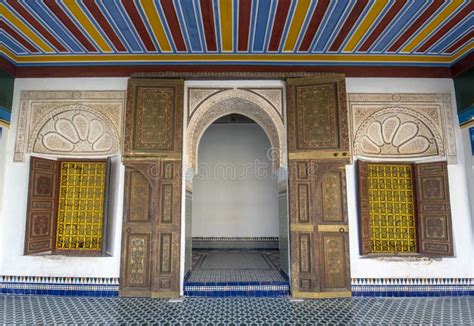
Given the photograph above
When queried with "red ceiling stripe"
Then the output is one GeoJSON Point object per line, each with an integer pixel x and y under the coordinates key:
{"type": "Point", "coordinates": [386, 20]}
{"type": "Point", "coordinates": [416, 25]}
{"type": "Point", "coordinates": [348, 24]}
{"type": "Point", "coordinates": [245, 7]}
{"type": "Point", "coordinates": [56, 9]}
{"type": "Point", "coordinates": [314, 23]}
{"type": "Point", "coordinates": [279, 24]}
{"type": "Point", "coordinates": [36, 25]}
{"type": "Point", "coordinates": [173, 24]}
{"type": "Point", "coordinates": [139, 25]}
{"type": "Point", "coordinates": [208, 20]}
{"type": "Point", "coordinates": [447, 27]}
{"type": "Point", "coordinates": [459, 43]}
{"type": "Point", "coordinates": [103, 23]}
{"type": "Point", "coordinates": [18, 37]}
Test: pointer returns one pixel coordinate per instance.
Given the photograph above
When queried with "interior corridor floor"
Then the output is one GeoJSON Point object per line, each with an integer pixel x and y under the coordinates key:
{"type": "Point", "coordinates": [242, 273]}
{"type": "Point", "coordinates": [235, 266]}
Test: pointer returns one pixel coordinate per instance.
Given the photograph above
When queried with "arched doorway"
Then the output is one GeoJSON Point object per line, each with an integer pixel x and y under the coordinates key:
{"type": "Point", "coordinates": [236, 214]}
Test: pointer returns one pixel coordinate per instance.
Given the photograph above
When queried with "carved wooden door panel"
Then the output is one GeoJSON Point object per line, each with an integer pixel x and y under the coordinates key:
{"type": "Point", "coordinates": [433, 209]}
{"type": "Point", "coordinates": [152, 206]}
{"type": "Point", "coordinates": [42, 202]}
{"type": "Point", "coordinates": [151, 229]}
{"type": "Point", "coordinates": [168, 229]}
{"type": "Point", "coordinates": [139, 231]}
{"type": "Point", "coordinates": [318, 146]}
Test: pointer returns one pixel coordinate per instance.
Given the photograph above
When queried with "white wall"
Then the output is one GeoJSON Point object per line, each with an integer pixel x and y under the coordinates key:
{"type": "Point", "coordinates": [462, 265]}
{"type": "Point", "coordinates": [234, 193]}
{"type": "Point", "coordinates": [469, 157]}
{"type": "Point", "coordinates": [13, 214]}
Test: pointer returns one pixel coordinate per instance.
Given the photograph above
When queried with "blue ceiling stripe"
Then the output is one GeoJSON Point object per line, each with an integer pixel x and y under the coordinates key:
{"type": "Point", "coordinates": [453, 35]}
{"type": "Point", "coordinates": [440, 26]}
{"type": "Point", "coordinates": [181, 21]}
{"type": "Point", "coordinates": [200, 26]}
{"type": "Point", "coordinates": [29, 25]}
{"type": "Point", "coordinates": [422, 26]}
{"type": "Point", "coordinates": [286, 27]}
{"type": "Point", "coordinates": [147, 26]}
{"type": "Point", "coordinates": [304, 27]}
{"type": "Point", "coordinates": [12, 44]}
{"type": "Point", "coordinates": [268, 34]}
{"type": "Point", "coordinates": [373, 26]}
{"type": "Point", "coordinates": [131, 27]}
{"type": "Point", "coordinates": [355, 26]}
{"type": "Point", "coordinates": [235, 32]}
{"type": "Point", "coordinates": [337, 29]}
{"type": "Point", "coordinates": [217, 28]}
{"type": "Point", "coordinates": [334, 18]}
{"type": "Point", "coordinates": [252, 23]}
{"type": "Point", "coordinates": [114, 26]}
{"type": "Point", "coordinates": [319, 32]}
{"type": "Point", "coordinates": [409, 14]}
{"type": "Point", "coordinates": [160, 12]}
{"type": "Point", "coordinates": [97, 26]}
{"type": "Point", "coordinates": [80, 27]}
{"type": "Point", "coordinates": [328, 24]}
{"type": "Point", "coordinates": [55, 26]}
{"type": "Point", "coordinates": [263, 13]}
{"type": "Point", "coordinates": [189, 15]}
{"type": "Point", "coordinates": [116, 20]}
{"type": "Point", "coordinates": [24, 36]}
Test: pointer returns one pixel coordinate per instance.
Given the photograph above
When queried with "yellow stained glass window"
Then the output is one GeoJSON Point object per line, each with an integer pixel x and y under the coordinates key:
{"type": "Point", "coordinates": [392, 208]}
{"type": "Point", "coordinates": [81, 205]}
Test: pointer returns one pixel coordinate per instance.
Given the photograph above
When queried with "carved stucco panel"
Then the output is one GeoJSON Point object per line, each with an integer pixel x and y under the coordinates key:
{"type": "Point", "coordinates": [198, 96]}
{"type": "Point", "coordinates": [222, 103]}
{"type": "Point", "coordinates": [402, 126]}
{"type": "Point", "coordinates": [69, 123]}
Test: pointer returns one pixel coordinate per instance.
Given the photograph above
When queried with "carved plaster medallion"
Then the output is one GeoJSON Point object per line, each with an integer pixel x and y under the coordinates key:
{"type": "Point", "coordinates": [402, 126]}
{"type": "Point", "coordinates": [69, 123]}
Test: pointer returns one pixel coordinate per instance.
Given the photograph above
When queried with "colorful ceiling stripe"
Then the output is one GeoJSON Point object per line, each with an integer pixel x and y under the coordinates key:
{"type": "Point", "coordinates": [422, 32]}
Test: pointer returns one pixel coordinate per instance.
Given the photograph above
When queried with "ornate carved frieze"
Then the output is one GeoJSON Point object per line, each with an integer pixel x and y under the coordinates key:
{"type": "Point", "coordinates": [80, 123]}
{"type": "Point", "coordinates": [402, 126]}
{"type": "Point", "coordinates": [263, 105]}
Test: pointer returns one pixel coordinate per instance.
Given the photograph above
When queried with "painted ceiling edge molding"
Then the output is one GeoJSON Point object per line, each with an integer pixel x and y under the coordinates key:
{"type": "Point", "coordinates": [304, 32]}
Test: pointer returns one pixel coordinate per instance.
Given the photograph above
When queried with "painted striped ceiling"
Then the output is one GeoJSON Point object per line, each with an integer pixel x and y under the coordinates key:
{"type": "Point", "coordinates": [405, 32]}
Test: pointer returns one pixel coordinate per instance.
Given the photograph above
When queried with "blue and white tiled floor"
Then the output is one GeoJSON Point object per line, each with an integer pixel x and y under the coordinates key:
{"type": "Point", "coordinates": [47, 310]}
{"type": "Point", "coordinates": [223, 273]}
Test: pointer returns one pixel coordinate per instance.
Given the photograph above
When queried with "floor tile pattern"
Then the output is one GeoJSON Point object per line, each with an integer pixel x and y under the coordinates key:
{"type": "Point", "coordinates": [235, 276]}
{"type": "Point", "coordinates": [235, 266]}
{"type": "Point", "coordinates": [227, 311]}
{"type": "Point", "coordinates": [224, 273]}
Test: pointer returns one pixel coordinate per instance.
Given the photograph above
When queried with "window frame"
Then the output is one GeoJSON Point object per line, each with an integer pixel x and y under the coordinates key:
{"type": "Point", "coordinates": [418, 219]}
{"type": "Point", "coordinates": [66, 252]}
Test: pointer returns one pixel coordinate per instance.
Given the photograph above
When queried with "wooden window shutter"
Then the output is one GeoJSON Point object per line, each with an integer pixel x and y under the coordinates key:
{"type": "Point", "coordinates": [364, 211]}
{"type": "Point", "coordinates": [433, 209]}
{"type": "Point", "coordinates": [42, 201]}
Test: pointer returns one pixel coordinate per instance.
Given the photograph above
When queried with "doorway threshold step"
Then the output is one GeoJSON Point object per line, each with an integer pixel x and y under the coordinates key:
{"type": "Point", "coordinates": [236, 289]}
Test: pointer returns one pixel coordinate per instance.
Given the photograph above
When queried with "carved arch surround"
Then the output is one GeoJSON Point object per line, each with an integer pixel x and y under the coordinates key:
{"type": "Point", "coordinates": [235, 101]}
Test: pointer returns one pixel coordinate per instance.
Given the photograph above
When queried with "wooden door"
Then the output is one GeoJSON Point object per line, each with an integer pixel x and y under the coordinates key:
{"type": "Point", "coordinates": [152, 205]}
{"type": "Point", "coordinates": [318, 146]}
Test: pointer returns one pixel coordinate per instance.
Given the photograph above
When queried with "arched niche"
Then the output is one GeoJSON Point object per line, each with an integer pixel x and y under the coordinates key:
{"type": "Point", "coordinates": [236, 101]}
